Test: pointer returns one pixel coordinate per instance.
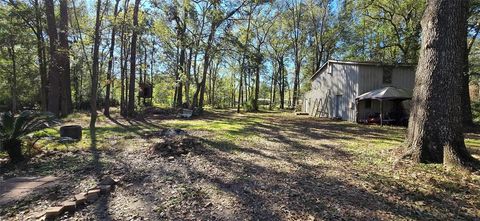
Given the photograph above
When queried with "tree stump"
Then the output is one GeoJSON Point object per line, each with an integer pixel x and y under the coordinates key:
{"type": "Point", "coordinates": [72, 131]}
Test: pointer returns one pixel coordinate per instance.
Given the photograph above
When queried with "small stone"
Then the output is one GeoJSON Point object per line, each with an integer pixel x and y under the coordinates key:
{"type": "Point", "coordinates": [171, 158]}
{"type": "Point", "coordinates": [208, 204]}
{"type": "Point", "coordinates": [420, 203]}
{"type": "Point", "coordinates": [53, 211]}
{"type": "Point", "coordinates": [69, 205]}
{"type": "Point", "coordinates": [80, 198]}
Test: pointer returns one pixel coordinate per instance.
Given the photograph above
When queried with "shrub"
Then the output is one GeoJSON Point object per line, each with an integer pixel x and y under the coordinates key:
{"type": "Point", "coordinates": [14, 128]}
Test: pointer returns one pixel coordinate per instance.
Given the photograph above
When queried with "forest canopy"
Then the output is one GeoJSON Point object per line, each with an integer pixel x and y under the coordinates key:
{"type": "Point", "coordinates": [194, 53]}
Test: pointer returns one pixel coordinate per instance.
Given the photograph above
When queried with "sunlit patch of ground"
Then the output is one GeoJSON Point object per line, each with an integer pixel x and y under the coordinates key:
{"type": "Point", "coordinates": [260, 166]}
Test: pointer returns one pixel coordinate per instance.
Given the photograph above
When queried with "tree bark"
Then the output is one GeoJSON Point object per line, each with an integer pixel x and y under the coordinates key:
{"type": "Point", "coordinates": [206, 57]}
{"type": "Point", "coordinates": [64, 61]}
{"type": "Point", "coordinates": [54, 71]}
{"type": "Point", "coordinates": [13, 86]}
{"type": "Point", "coordinates": [435, 127]}
{"type": "Point", "coordinates": [106, 110]}
{"type": "Point", "coordinates": [95, 69]}
{"type": "Point", "coordinates": [240, 91]}
{"type": "Point", "coordinates": [124, 61]}
{"type": "Point", "coordinates": [257, 83]}
{"type": "Point", "coordinates": [467, 119]}
{"type": "Point", "coordinates": [281, 82]}
{"type": "Point", "coordinates": [297, 44]}
{"type": "Point", "coordinates": [41, 58]}
{"type": "Point", "coordinates": [133, 54]}
{"type": "Point", "coordinates": [206, 63]}
{"type": "Point", "coordinates": [188, 79]}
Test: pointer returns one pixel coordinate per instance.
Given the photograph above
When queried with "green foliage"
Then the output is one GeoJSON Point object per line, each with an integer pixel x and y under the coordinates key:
{"type": "Point", "coordinates": [383, 30]}
{"type": "Point", "coordinates": [16, 127]}
{"type": "Point", "coordinates": [476, 112]}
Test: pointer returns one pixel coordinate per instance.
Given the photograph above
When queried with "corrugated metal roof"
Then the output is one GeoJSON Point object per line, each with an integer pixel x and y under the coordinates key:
{"type": "Point", "coordinates": [359, 63]}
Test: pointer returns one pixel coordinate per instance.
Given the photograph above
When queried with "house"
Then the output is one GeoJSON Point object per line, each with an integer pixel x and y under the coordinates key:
{"type": "Point", "coordinates": [337, 85]}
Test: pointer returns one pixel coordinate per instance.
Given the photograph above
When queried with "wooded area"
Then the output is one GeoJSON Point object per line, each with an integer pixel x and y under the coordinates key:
{"type": "Point", "coordinates": [231, 53]}
{"type": "Point", "coordinates": [193, 54]}
{"type": "Point", "coordinates": [240, 68]}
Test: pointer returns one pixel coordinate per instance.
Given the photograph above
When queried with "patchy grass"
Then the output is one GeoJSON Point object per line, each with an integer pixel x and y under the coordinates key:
{"type": "Point", "coordinates": [268, 166]}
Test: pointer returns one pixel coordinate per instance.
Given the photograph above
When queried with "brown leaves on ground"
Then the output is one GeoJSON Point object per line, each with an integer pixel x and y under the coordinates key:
{"type": "Point", "coordinates": [272, 166]}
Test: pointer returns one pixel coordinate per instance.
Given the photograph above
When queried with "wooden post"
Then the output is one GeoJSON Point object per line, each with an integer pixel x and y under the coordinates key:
{"type": "Point", "coordinates": [357, 112]}
{"type": "Point", "coordinates": [381, 112]}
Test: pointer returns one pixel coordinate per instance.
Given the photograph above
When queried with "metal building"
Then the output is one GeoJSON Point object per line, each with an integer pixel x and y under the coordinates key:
{"type": "Point", "coordinates": [336, 85]}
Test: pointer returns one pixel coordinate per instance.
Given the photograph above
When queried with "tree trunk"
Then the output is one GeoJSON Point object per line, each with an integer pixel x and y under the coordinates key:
{"type": "Point", "coordinates": [133, 54]}
{"type": "Point", "coordinates": [188, 79]}
{"type": "Point", "coordinates": [145, 69]}
{"type": "Point", "coordinates": [64, 61]}
{"type": "Point", "coordinates": [257, 87]}
{"type": "Point", "coordinates": [181, 69]}
{"type": "Point", "coordinates": [14, 149]}
{"type": "Point", "coordinates": [53, 72]}
{"type": "Point", "coordinates": [42, 67]}
{"type": "Point", "coordinates": [123, 74]}
{"type": "Point", "coordinates": [240, 91]}
{"type": "Point", "coordinates": [296, 83]}
{"type": "Point", "coordinates": [281, 82]}
{"type": "Point", "coordinates": [110, 60]}
{"type": "Point", "coordinates": [96, 46]}
{"type": "Point", "coordinates": [467, 119]}
{"type": "Point", "coordinates": [13, 86]}
{"type": "Point", "coordinates": [272, 90]}
{"type": "Point", "coordinates": [206, 62]}
{"type": "Point", "coordinates": [435, 127]}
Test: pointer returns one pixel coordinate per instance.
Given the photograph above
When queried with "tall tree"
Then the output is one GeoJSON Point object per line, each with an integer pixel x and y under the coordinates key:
{"type": "Point", "coordinates": [217, 20]}
{"type": "Point", "coordinates": [244, 55]}
{"type": "Point", "coordinates": [64, 61]}
{"type": "Point", "coordinates": [110, 60]}
{"type": "Point", "coordinates": [13, 86]}
{"type": "Point", "coordinates": [261, 26]}
{"type": "Point", "coordinates": [95, 68]}
{"type": "Point", "coordinates": [473, 30]}
{"type": "Point", "coordinates": [435, 127]}
{"type": "Point", "coordinates": [133, 56]}
{"type": "Point", "coordinates": [124, 59]}
{"type": "Point", "coordinates": [54, 70]}
{"type": "Point", "coordinates": [41, 55]}
{"type": "Point", "coordinates": [298, 38]}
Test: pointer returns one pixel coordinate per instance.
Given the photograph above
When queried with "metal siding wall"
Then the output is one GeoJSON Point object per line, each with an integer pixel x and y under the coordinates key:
{"type": "Point", "coordinates": [404, 77]}
{"type": "Point", "coordinates": [351, 80]}
{"type": "Point", "coordinates": [371, 78]}
{"type": "Point", "coordinates": [348, 77]}
{"type": "Point", "coordinates": [320, 87]}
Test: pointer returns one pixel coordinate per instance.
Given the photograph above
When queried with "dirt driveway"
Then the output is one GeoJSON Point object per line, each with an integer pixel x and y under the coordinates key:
{"type": "Point", "coordinates": [267, 166]}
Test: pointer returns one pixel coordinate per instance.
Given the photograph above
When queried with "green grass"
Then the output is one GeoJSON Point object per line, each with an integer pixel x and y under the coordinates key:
{"type": "Point", "coordinates": [229, 129]}
{"type": "Point", "coordinates": [361, 154]}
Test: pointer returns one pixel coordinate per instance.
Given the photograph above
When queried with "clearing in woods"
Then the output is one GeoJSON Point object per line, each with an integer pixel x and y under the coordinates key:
{"type": "Point", "coordinates": [262, 166]}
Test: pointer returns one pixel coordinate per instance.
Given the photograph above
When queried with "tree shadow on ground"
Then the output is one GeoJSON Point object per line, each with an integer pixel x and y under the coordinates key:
{"type": "Point", "coordinates": [269, 194]}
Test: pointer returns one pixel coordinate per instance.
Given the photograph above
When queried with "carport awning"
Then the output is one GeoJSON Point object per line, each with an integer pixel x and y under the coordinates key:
{"type": "Point", "coordinates": [386, 93]}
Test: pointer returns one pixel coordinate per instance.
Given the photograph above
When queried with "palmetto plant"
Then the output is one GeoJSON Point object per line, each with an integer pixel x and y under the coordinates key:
{"type": "Point", "coordinates": [14, 128]}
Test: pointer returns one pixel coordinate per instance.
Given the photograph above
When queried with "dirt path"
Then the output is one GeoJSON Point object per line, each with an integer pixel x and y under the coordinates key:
{"type": "Point", "coordinates": [273, 168]}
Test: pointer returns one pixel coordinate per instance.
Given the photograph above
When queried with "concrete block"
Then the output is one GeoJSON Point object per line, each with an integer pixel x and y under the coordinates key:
{"type": "Point", "coordinates": [69, 205]}
{"type": "Point", "coordinates": [53, 212]}
{"type": "Point", "coordinates": [92, 194]}
{"type": "Point", "coordinates": [80, 199]}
